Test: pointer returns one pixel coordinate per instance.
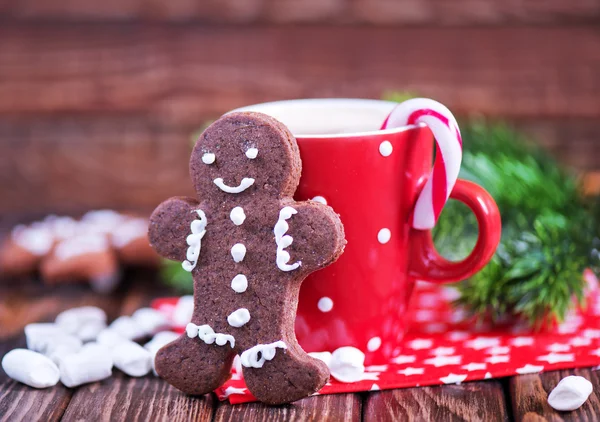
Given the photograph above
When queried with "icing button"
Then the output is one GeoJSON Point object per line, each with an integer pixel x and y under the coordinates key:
{"type": "Point", "coordinates": [239, 284]}
{"type": "Point", "coordinates": [238, 252]}
{"type": "Point", "coordinates": [237, 215]}
{"type": "Point", "coordinates": [208, 158]}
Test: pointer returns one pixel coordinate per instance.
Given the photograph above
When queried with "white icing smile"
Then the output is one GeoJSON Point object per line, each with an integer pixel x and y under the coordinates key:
{"type": "Point", "coordinates": [244, 184]}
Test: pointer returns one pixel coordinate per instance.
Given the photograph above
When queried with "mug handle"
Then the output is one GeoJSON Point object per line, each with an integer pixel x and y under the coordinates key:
{"type": "Point", "coordinates": [428, 265]}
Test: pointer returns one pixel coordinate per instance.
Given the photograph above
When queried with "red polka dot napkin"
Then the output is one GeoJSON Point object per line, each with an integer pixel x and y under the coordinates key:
{"type": "Point", "coordinates": [444, 346]}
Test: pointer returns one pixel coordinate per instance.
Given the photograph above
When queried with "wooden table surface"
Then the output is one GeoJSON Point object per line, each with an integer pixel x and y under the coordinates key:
{"type": "Point", "coordinates": [120, 397]}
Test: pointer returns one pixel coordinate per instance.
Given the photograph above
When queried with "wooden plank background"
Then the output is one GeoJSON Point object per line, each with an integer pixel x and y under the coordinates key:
{"type": "Point", "coordinates": [98, 99]}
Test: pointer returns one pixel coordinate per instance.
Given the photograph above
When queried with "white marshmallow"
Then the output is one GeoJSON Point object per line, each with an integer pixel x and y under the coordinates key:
{"type": "Point", "coordinates": [89, 331]}
{"type": "Point", "coordinates": [63, 346]}
{"type": "Point", "coordinates": [347, 364]}
{"type": "Point", "coordinates": [570, 393]}
{"type": "Point", "coordinates": [30, 368]}
{"type": "Point", "coordinates": [323, 356]}
{"type": "Point", "coordinates": [132, 359]}
{"type": "Point", "coordinates": [182, 314]}
{"type": "Point", "coordinates": [126, 327]}
{"type": "Point", "coordinates": [39, 335]}
{"type": "Point", "coordinates": [85, 322]}
{"type": "Point", "coordinates": [149, 320]}
{"type": "Point", "coordinates": [110, 338]}
{"type": "Point", "coordinates": [92, 363]}
{"type": "Point", "coordinates": [158, 341]}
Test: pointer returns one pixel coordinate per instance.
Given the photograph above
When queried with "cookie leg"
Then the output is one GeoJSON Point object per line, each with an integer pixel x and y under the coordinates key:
{"type": "Point", "coordinates": [193, 366]}
{"type": "Point", "coordinates": [291, 375]}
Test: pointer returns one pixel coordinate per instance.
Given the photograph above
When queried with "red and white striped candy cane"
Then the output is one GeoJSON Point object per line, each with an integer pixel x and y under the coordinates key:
{"type": "Point", "coordinates": [448, 155]}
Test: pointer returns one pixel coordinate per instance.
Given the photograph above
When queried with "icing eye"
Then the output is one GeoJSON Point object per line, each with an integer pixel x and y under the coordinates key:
{"type": "Point", "coordinates": [252, 153]}
{"type": "Point", "coordinates": [208, 158]}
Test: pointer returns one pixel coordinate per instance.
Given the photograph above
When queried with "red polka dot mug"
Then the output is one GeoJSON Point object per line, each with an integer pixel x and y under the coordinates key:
{"type": "Point", "coordinates": [372, 162]}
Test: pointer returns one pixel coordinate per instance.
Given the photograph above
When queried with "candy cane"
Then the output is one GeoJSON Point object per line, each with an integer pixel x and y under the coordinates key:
{"type": "Point", "coordinates": [447, 162]}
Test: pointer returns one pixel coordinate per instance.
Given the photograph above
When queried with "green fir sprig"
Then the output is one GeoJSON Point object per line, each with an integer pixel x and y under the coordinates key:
{"type": "Point", "coordinates": [549, 229]}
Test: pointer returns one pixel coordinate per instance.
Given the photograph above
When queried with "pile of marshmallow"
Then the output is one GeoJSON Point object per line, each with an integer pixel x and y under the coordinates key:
{"type": "Point", "coordinates": [79, 347]}
{"type": "Point", "coordinates": [90, 249]}
{"type": "Point", "coordinates": [346, 364]}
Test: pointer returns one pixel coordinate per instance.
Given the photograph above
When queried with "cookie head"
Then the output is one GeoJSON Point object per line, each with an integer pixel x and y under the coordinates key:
{"type": "Point", "coordinates": [245, 154]}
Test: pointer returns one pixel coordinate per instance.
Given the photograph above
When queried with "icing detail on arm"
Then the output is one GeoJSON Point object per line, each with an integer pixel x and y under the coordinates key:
{"type": "Point", "coordinates": [250, 359]}
{"type": "Point", "coordinates": [237, 215]}
{"type": "Point", "coordinates": [239, 318]}
{"type": "Point", "coordinates": [208, 335]}
{"type": "Point", "coordinates": [81, 245]}
{"type": "Point", "coordinates": [283, 241]}
{"type": "Point", "coordinates": [194, 241]}
{"type": "Point", "coordinates": [238, 252]}
{"type": "Point", "coordinates": [208, 158]}
{"type": "Point", "coordinates": [239, 284]}
{"type": "Point", "coordinates": [252, 153]}
{"type": "Point", "coordinates": [244, 184]}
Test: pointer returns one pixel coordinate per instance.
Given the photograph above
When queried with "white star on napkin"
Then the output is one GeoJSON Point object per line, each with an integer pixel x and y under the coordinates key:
{"type": "Point", "coordinates": [411, 371]}
{"type": "Point", "coordinates": [498, 359]}
{"type": "Point", "coordinates": [557, 357]}
{"type": "Point", "coordinates": [522, 341]}
{"type": "Point", "coordinates": [420, 343]}
{"type": "Point", "coordinates": [443, 351]}
{"type": "Point", "coordinates": [444, 360]}
{"type": "Point", "coordinates": [557, 347]}
{"type": "Point", "coordinates": [474, 366]}
{"type": "Point", "coordinates": [482, 343]}
{"type": "Point", "coordinates": [404, 359]}
{"type": "Point", "coordinates": [453, 379]}
{"type": "Point", "coordinates": [529, 369]}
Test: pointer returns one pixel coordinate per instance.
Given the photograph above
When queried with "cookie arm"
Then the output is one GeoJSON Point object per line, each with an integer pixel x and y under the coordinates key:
{"type": "Point", "coordinates": [170, 225]}
{"type": "Point", "coordinates": [318, 236]}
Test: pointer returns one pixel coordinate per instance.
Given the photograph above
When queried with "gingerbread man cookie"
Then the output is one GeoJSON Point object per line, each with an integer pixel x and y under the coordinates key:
{"type": "Point", "coordinates": [248, 245]}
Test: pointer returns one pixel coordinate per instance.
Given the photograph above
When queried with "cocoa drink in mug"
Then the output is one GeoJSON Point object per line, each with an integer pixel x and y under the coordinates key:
{"type": "Point", "coordinates": [372, 162]}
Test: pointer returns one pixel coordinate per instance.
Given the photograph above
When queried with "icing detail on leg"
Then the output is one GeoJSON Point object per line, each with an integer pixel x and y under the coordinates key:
{"type": "Point", "coordinates": [283, 241]}
{"type": "Point", "coordinates": [250, 359]}
{"type": "Point", "coordinates": [208, 335]}
{"type": "Point", "coordinates": [194, 240]}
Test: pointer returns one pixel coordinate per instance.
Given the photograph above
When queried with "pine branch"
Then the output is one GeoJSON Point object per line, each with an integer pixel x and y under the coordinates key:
{"type": "Point", "coordinates": [548, 229]}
